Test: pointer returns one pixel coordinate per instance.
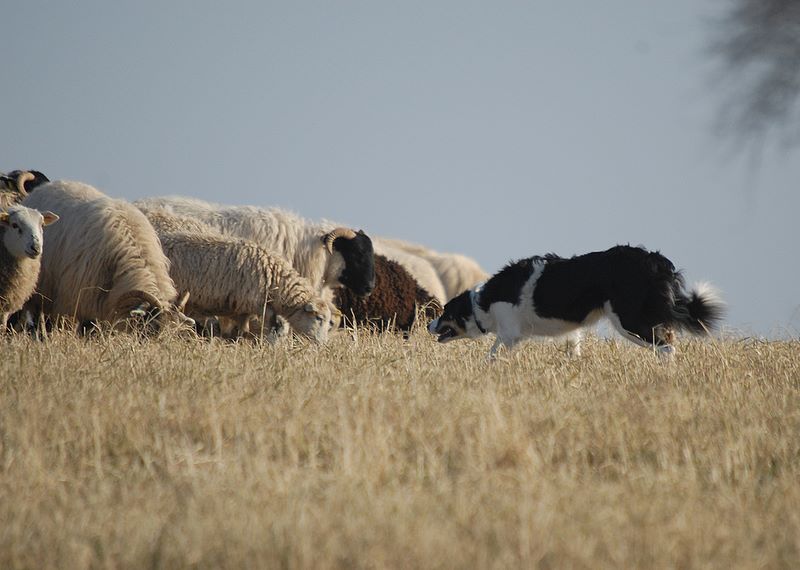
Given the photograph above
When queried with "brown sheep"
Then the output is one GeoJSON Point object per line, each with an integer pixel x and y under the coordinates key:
{"type": "Point", "coordinates": [393, 302]}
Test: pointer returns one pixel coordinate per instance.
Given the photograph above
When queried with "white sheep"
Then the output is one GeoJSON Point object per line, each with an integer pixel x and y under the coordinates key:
{"type": "Point", "coordinates": [103, 261]}
{"type": "Point", "coordinates": [456, 272]}
{"type": "Point", "coordinates": [20, 256]}
{"type": "Point", "coordinates": [237, 279]}
{"type": "Point", "coordinates": [328, 256]}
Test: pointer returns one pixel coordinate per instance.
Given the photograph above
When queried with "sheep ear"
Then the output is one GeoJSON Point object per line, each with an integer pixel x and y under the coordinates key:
{"type": "Point", "coordinates": [49, 218]}
{"type": "Point", "coordinates": [309, 308]}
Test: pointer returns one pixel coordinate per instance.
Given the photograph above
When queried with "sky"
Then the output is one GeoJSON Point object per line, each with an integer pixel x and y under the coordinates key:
{"type": "Point", "coordinates": [495, 129]}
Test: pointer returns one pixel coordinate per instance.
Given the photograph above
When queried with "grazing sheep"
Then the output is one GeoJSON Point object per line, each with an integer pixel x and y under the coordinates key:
{"type": "Point", "coordinates": [420, 268]}
{"type": "Point", "coordinates": [330, 257]}
{"type": "Point", "coordinates": [238, 279]}
{"type": "Point", "coordinates": [103, 261]}
{"type": "Point", "coordinates": [20, 256]}
{"type": "Point", "coordinates": [457, 272]}
{"type": "Point", "coordinates": [393, 302]}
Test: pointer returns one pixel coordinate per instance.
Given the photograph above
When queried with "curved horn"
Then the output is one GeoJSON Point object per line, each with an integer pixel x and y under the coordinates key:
{"type": "Point", "coordinates": [22, 179]}
{"type": "Point", "coordinates": [145, 296]}
{"type": "Point", "coordinates": [139, 297]}
{"type": "Point", "coordinates": [335, 234]}
{"type": "Point", "coordinates": [180, 304]}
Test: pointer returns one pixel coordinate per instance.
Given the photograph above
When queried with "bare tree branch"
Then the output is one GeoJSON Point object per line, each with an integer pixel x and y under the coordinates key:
{"type": "Point", "coordinates": [758, 43]}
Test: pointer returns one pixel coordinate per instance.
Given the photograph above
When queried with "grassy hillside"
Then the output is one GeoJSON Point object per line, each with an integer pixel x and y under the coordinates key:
{"type": "Point", "coordinates": [381, 453]}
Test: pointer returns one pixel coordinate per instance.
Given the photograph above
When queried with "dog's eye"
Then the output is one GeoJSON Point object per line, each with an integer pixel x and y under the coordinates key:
{"type": "Point", "coordinates": [15, 226]}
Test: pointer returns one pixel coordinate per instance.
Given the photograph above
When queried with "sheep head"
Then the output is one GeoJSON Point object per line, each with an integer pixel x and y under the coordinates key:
{"type": "Point", "coordinates": [138, 305]}
{"type": "Point", "coordinates": [146, 310]}
{"type": "Point", "coordinates": [22, 182]}
{"type": "Point", "coordinates": [352, 261]}
{"type": "Point", "coordinates": [312, 320]}
{"type": "Point", "coordinates": [22, 234]}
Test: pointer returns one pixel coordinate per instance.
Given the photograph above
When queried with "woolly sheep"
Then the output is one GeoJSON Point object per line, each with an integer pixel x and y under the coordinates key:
{"type": "Point", "coordinates": [394, 301]}
{"type": "Point", "coordinates": [20, 256]}
{"type": "Point", "coordinates": [330, 257]}
{"type": "Point", "coordinates": [456, 272]}
{"type": "Point", "coordinates": [236, 278]}
{"type": "Point", "coordinates": [103, 261]}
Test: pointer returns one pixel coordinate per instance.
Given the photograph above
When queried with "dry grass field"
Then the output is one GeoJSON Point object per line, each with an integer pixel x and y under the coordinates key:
{"type": "Point", "coordinates": [381, 453]}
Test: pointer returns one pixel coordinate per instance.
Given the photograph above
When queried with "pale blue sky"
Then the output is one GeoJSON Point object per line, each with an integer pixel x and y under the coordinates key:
{"type": "Point", "coordinates": [496, 129]}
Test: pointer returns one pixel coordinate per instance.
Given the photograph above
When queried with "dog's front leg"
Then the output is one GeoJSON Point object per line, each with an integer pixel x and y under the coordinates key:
{"type": "Point", "coordinates": [574, 345]}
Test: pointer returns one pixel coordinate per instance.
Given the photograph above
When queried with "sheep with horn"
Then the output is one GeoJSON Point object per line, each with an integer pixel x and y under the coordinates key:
{"type": "Point", "coordinates": [236, 280]}
{"type": "Point", "coordinates": [103, 261]}
{"type": "Point", "coordinates": [329, 257]}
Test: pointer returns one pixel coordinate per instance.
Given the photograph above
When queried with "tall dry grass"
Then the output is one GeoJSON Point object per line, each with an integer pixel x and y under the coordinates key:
{"type": "Point", "coordinates": [381, 453]}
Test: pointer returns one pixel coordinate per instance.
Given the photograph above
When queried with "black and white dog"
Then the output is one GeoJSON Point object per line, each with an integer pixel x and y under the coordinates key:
{"type": "Point", "coordinates": [639, 291]}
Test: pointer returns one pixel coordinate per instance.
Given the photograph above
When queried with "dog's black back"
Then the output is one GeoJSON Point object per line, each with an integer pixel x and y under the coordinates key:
{"type": "Point", "coordinates": [633, 279]}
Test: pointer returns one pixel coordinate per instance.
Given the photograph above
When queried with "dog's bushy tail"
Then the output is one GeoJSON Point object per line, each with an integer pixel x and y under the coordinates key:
{"type": "Point", "coordinates": [699, 310]}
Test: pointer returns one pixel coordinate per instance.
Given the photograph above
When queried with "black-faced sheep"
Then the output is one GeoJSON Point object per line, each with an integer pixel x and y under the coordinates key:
{"type": "Point", "coordinates": [103, 261]}
{"type": "Point", "coordinates": [329, 257]}
{"type": "Point", "coordinates": [21, 234]}
{"type": "Point", "coordinates": [393, 302]}
{"type": "Point", "coordinates": [15, 185]}
{"type": "Point", "coordinates": [234, 278]}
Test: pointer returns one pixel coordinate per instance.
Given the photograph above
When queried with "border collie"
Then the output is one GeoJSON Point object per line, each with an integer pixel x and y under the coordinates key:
{"type": "Point", "coordinates": [639, 291]}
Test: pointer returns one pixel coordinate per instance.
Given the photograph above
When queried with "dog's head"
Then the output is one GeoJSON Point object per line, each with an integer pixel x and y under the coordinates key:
{"type": "Point", "coordinates": [457, 320]}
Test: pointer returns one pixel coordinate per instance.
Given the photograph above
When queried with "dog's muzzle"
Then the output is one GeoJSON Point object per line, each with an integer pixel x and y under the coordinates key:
{"type": "Point", "coordinates": [445, 332]}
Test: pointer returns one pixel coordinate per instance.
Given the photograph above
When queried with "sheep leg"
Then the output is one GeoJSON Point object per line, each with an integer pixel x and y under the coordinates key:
{"type": "Point", "coordinates": [243, 324]}
{"type": "Point", "coordinates": [40, 326]}
{"type": "Point", "coordinates": [226, 326]}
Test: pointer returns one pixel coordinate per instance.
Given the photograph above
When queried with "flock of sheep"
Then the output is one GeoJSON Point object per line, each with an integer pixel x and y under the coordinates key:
{"type": "Point", "coordinates": [235, 271]}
